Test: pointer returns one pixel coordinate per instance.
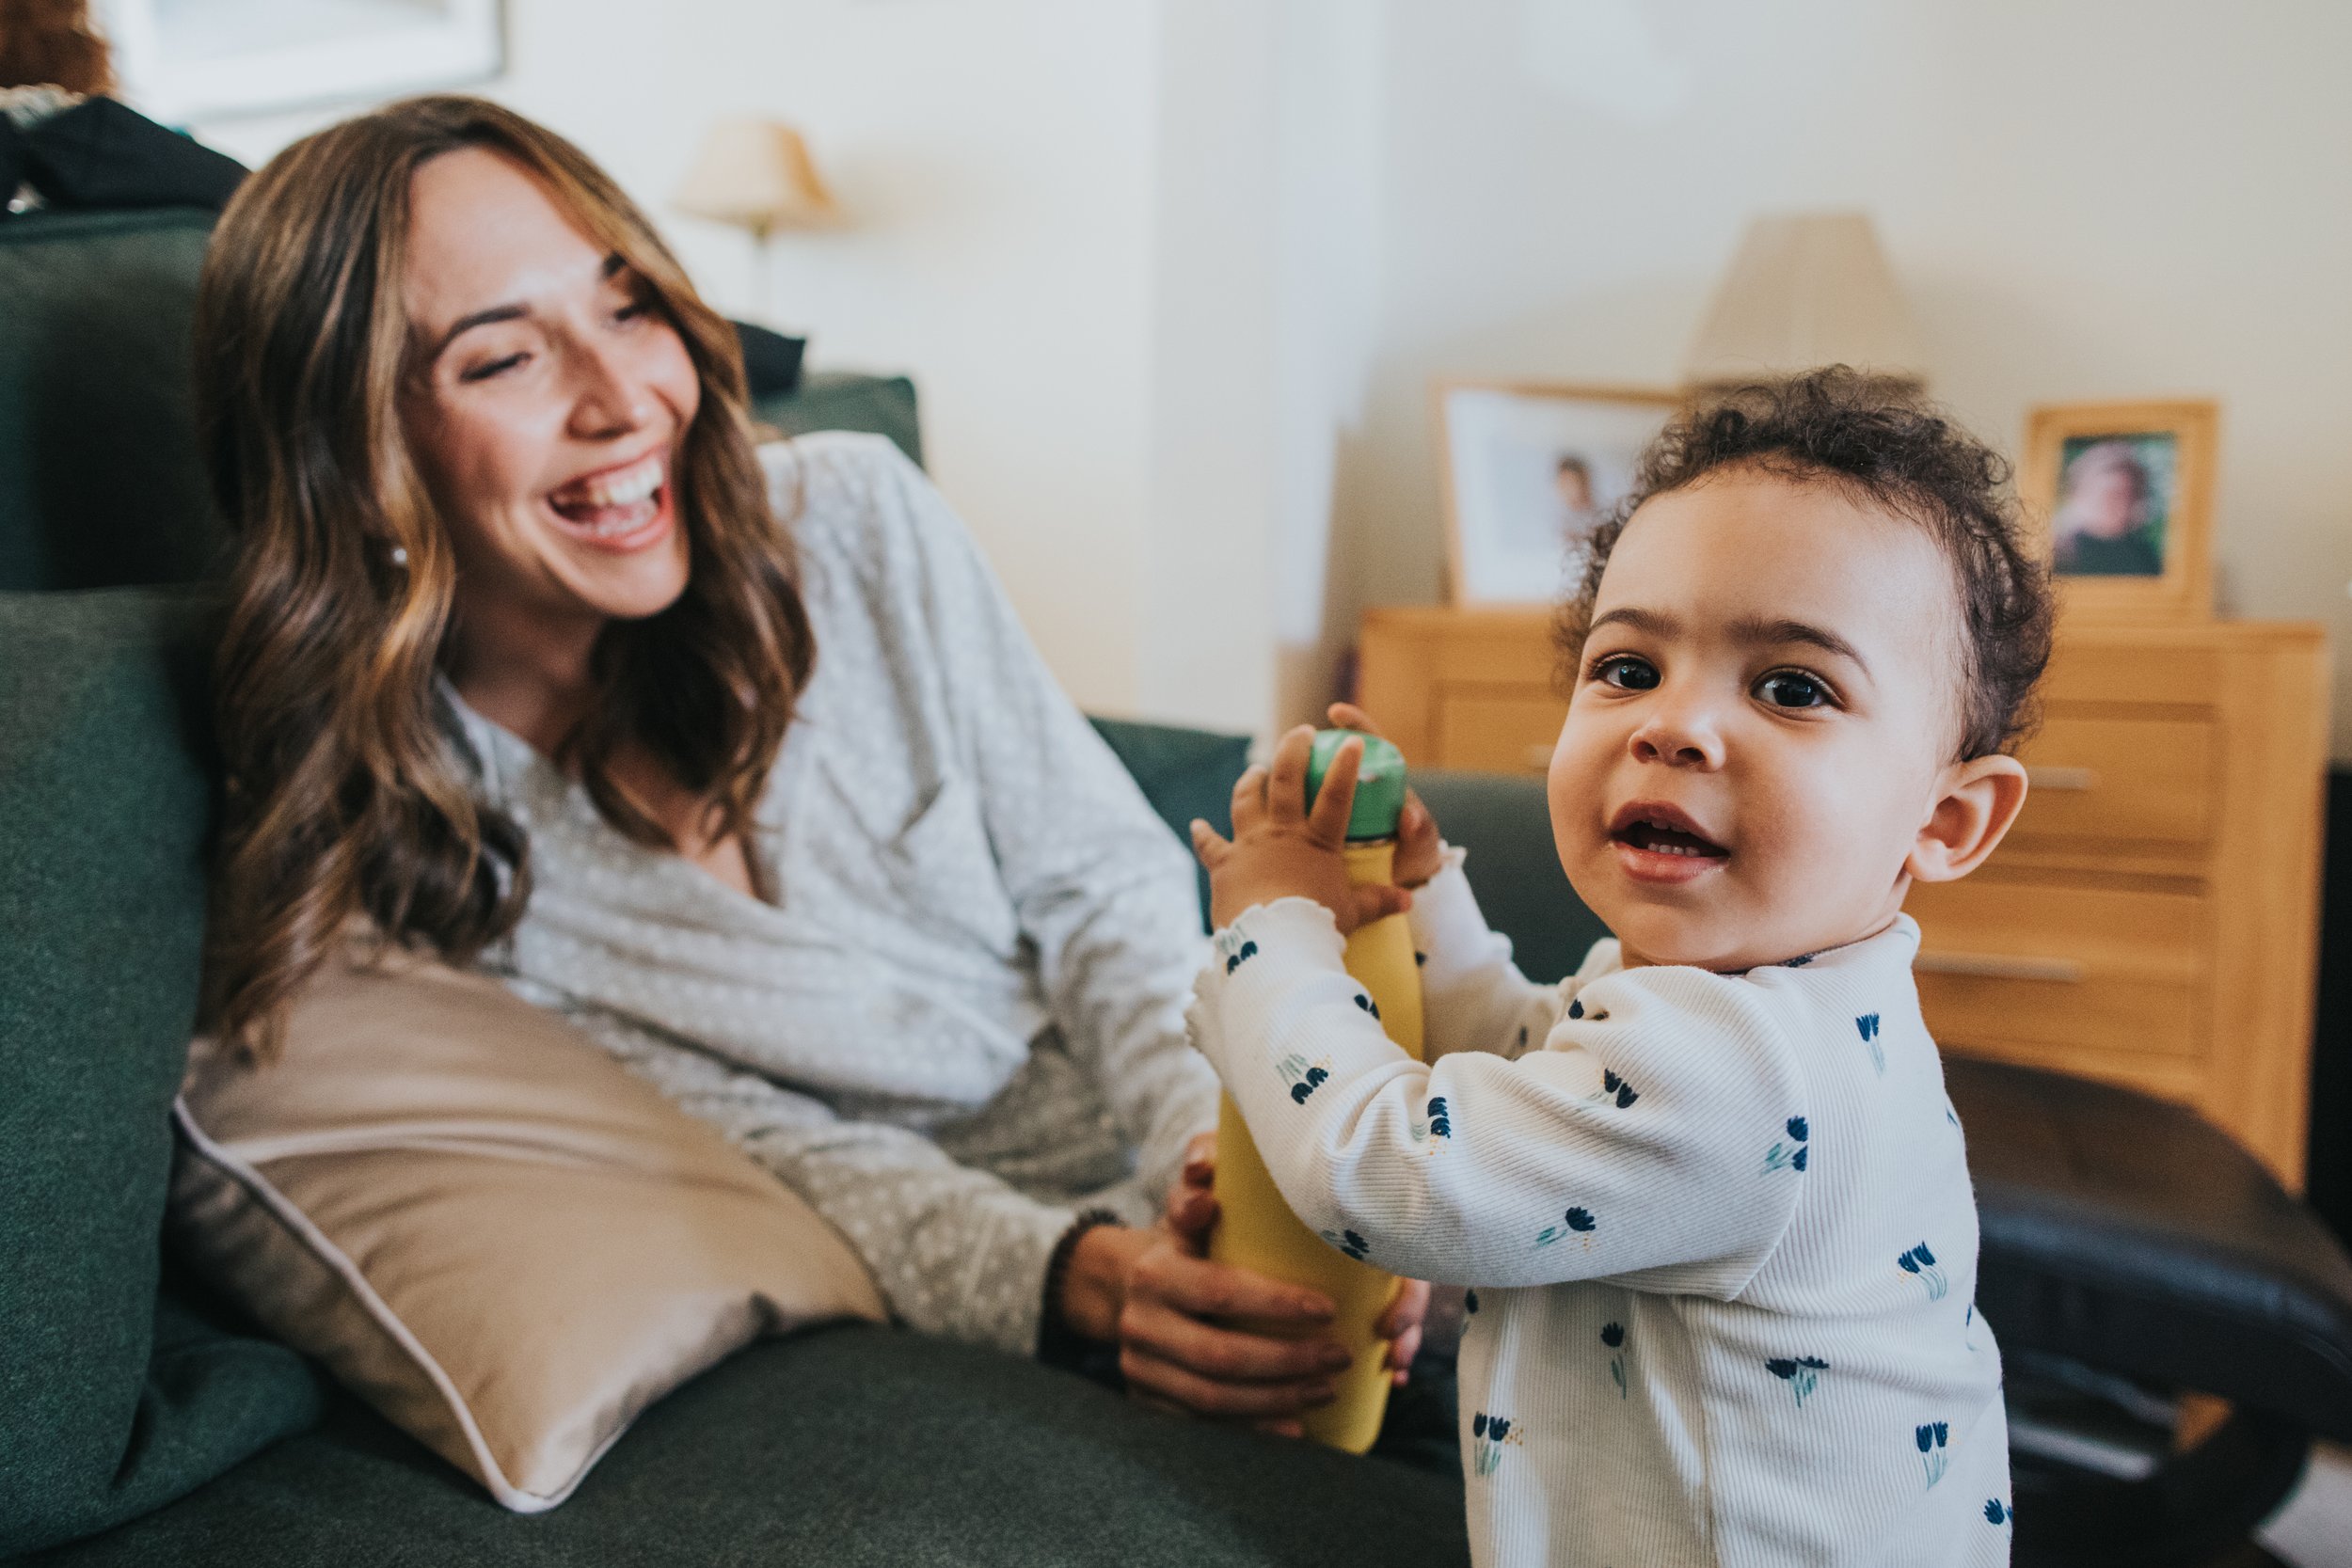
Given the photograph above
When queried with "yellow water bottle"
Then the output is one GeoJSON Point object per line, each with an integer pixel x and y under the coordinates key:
{"type": "Point", "coordinates": [1255, 1228]}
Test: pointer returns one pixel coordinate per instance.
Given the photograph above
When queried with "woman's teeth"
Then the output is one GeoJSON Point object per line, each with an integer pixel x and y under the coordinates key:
{"type": "Point", "coordinates": [615, 502]}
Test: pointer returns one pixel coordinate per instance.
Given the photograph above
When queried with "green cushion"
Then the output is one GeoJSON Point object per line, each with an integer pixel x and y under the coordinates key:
{"type": "Point", "coordinates": [1185, 773]}
{"type": "Point", "coordinates": [845, 1448]}
{"type": "Point", "coordinates": [109, 1405]}
{"type": "Point", "coordinates": [838, 400]}
{"type": "Point", "coordinates": [100, 480]}
{"type": "Point", "coordinates": [1504, 824]}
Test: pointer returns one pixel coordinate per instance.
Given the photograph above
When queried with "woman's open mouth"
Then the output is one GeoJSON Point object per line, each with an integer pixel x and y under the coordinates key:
{"type": "Point", "coordinates": [1658, 843]}
{"type": "Point", "coordinates": [620, 508]}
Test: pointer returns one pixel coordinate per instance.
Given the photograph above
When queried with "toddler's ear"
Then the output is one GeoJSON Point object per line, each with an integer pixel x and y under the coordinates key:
{"type": "Point", "coordinates": [1979, 800]}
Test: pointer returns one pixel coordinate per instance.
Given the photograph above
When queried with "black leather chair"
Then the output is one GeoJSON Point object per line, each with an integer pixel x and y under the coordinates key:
{"type": "Point", "coordinates": [2131, 1253]}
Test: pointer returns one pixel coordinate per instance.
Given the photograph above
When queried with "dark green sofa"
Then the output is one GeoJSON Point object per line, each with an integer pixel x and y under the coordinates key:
{"type": "Point", "coordinates": [122, 1387]}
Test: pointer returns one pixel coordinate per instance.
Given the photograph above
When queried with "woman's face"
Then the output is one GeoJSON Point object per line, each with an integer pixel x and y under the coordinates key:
{"type": "Point", "coordinates": [546, 405]}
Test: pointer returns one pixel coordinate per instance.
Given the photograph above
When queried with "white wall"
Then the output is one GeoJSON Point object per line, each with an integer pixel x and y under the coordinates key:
{"type": "Point", "coordinates": [1174, 275]}
{"type": "Point", "coordinates": [1266, 266]}
{"type": "Point", "coordinates": [996, 159]}
{"type": "Point", "coordinates": [2082, 200]}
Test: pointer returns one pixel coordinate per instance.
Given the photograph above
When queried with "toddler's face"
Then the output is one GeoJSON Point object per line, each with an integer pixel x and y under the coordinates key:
{"type": "Point", "coordinates": [1757, 756]}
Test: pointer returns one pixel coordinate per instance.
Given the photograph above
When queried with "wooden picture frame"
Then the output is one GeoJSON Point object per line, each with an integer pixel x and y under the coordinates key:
{"type": "Point", "coordinates": [1510, 453]}
{"type": "Point", "coordinates": [2122, 496]}
{"type": "Point", "coordinates": [188, 61]}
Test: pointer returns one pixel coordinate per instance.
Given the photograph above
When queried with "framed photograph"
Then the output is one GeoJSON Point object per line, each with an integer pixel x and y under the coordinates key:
{"type": "Point", "coordinates": [193, 60]}
{"type": "Point", "coordinates": [1531, 469]}
{"type": "Point", "coordinates": [2125, 493]}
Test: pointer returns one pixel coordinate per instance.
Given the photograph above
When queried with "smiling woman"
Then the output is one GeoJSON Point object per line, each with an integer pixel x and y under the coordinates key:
{"type": "Point", "coordinates": [521, 669]}
{"type": "Point", "coordinates": [404, 288]}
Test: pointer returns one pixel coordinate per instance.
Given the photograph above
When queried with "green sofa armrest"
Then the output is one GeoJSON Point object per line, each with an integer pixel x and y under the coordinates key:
{"type": "Point", "coordinates": [842, 400]}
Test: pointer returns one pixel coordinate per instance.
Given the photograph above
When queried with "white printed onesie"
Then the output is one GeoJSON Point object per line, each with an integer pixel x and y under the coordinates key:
{"type": "Point", "coordinates": [1720, 1229]}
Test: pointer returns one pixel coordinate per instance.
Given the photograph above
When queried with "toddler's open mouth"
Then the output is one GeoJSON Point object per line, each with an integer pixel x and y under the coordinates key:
{"type": "Point", "coordinates": [1656, 842]}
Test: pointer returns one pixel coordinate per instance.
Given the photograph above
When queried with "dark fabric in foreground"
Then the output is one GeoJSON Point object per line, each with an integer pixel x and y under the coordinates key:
{"type": "Point", "coordinates": [104, 154]}
{"type": "Point", "coordinates": [844, 1448]}
{"type": "Point", "coordinates": [110, 1403]}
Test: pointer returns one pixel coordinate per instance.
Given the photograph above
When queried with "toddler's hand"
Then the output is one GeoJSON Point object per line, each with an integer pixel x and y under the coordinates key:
{"type": "Point", "coordinates": [1420, 851]}
{"type": "Point", "coordinates": [1279, 850]}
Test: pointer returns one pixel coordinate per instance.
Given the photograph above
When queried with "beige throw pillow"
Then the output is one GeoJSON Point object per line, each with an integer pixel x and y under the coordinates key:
{"type": "Point", "coordinates": [482, 1225]}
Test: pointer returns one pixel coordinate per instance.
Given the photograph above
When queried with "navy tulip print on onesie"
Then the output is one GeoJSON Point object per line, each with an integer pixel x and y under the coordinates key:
{"type": "Point", "coordinates": [1790, 1153]}
{"type": "Point", "coordinates": [1803, 1373]}
{"type": "Point", "coordinates": [1869, 1025]}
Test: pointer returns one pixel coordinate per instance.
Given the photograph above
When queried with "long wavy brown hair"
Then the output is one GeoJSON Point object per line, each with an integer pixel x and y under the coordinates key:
{"type": "Point", "coordinates": [349, 791]}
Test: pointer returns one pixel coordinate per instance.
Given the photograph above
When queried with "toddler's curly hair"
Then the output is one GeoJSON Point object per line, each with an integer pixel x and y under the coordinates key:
{"type": "Point", "coordinates": [1880, 441]}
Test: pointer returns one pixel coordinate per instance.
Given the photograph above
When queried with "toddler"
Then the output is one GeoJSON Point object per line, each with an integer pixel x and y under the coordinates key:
{"type": "Point", "coordinates": [1710, 1190]}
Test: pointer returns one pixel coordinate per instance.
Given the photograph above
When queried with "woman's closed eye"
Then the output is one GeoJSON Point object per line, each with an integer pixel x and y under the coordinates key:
{"type": "Point", "coordinates": [483, 369]}
{"type": "Point", "coordinates": [1625, 671]}
{"type": "Point", "coordinates": [1794, 690]}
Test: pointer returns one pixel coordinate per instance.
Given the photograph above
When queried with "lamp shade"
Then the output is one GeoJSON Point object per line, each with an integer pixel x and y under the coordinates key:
{"type": "Point", "coordinates": [755, 174]}
{"type": "Point", "coordinates": [1806, 290]}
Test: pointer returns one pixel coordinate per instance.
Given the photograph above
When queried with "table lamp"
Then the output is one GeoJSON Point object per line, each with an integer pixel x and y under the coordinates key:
{"type": "Point", "coordinates": [756, 174]}
{"type": "Point", "coordinates": [1805, 290]}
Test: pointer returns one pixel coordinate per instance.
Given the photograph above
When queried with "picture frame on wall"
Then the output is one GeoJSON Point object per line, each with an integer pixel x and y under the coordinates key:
{"type": "Point", "coordinates": [182, 60]}
{"type": "Point", "coordinates": [1531, 468]}
{"type": "Point", "coordinates": [2124, 495]}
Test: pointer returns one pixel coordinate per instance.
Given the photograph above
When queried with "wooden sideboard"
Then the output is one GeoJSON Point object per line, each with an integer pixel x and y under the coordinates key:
{"type": "Point", "coordinates": [2152, 920]}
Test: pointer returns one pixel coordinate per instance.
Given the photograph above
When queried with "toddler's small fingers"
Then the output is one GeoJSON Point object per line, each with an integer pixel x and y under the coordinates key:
{"type": "Point", "coordinates": [1249, 798]}
{"type": "Point", "coordinates": [1336, 800]}
{"type": "Point", "coordinates": [1379, 900]}
{"type": "Point", "coordinates": [1347, 716]}
{"type": "Point", "coordinates": [1286, 782]}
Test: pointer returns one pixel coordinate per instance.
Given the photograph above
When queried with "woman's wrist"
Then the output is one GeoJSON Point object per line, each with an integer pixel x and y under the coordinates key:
{"type": "Point", "coordinates": [1092, 1288]}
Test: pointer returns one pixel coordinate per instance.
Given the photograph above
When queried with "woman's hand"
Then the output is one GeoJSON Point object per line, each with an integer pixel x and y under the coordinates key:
{"type": "Point", "coordinates": [1155, 1293]}
{"type": "Point", "coordinates": [1280, 849]}
{"type": "Point", "coordinates": [1420, 852]}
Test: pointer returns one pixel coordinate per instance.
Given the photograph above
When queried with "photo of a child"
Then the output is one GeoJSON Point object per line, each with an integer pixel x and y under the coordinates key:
{"type": "Point", "coordinates": [2115, 497]}
{"type": "Point", "coordinates": [1531, 472]}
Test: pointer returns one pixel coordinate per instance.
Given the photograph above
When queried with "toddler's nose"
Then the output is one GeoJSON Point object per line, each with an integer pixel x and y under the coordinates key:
{"type": "Point", "coordinates": [1679, 739]}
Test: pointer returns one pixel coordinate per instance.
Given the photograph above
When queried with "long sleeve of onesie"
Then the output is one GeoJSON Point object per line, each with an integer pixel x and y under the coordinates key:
{"type": "Point", "coordinates": [1500, 1169]}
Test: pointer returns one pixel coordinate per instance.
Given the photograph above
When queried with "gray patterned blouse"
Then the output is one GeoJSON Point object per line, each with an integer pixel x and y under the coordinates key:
{"type": "Point", "coordinates": [963, 1018]}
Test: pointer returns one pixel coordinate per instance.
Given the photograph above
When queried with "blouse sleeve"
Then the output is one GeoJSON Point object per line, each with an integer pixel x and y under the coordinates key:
{"type": "Point", "coordinates": [1655, 1137]}
{"type": "Point", "coordinates": [1103, 892]}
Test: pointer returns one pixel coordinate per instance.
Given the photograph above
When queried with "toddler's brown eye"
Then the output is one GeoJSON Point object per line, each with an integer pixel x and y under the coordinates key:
{"type": "Point", "coordinates": [1788, 689]}
{"type": "Point", "coordinates": [1628, 672]}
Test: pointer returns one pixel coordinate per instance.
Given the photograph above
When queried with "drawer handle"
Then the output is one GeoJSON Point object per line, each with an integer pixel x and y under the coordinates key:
{"type": "Point", "coordinates": [1999, 966]}
{"type": "Point", "coordinates": [2062, 778]}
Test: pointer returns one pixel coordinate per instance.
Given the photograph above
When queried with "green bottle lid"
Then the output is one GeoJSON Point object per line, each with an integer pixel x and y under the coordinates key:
{"type": "Point", "coordinates": [1380, 782]}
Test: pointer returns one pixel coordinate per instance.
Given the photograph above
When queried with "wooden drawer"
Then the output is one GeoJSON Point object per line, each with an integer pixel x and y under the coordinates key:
{"type": "Point", "coordinates": [1497, 729]}
{"type": "Point", "coordinates": [2145, 781]}
{"type": "Point", "coordinates": [2014, 965]}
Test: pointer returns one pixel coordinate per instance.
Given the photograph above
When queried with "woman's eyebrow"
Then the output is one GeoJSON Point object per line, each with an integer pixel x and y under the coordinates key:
{"type": "Point", "coordinates": [1771, 632]}
{"type": "Point", "coordinates": [466, 323]}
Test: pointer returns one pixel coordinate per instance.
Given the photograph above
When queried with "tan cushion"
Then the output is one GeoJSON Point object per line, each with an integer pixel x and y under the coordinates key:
{"type": "Point", "coordinates": [482, 1225]}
